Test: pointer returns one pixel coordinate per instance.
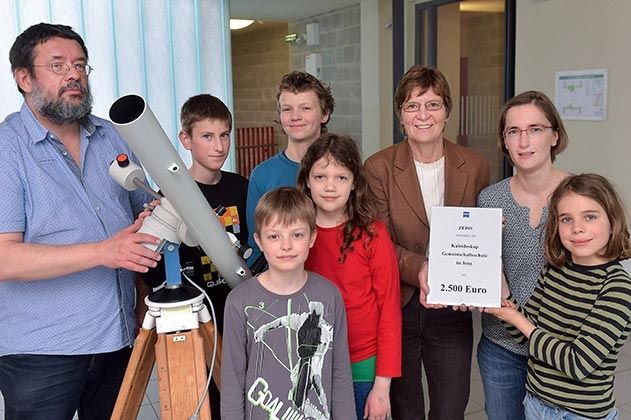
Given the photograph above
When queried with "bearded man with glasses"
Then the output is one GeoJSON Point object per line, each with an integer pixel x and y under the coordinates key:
{"type": "Point", "coordinates": [68, 240]}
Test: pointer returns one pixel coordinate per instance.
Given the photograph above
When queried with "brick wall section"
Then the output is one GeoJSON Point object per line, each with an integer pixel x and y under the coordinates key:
{"type": "Point", "coordinates": [260, 58]}
{"type": "Point", "coordinates": [340, 48]}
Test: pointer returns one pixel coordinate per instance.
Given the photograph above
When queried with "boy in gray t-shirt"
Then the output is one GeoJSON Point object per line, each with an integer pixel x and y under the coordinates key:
{"type": "Point", "coordinates": [285, 348]}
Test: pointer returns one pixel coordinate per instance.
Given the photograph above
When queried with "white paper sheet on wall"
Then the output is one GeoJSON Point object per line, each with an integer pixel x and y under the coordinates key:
{"type": "Point", "coordinates": [581, 94]}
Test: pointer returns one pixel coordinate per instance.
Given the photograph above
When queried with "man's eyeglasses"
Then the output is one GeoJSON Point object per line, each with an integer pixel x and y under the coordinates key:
{"type": "Point", "coordinates": [532, 131]}
{"type": "Point", "coordinates": [431, 106]}
{"type": "Point", "coordinates": [64, 68]}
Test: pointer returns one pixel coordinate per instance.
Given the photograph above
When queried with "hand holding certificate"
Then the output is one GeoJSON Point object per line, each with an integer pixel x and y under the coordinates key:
{"type": "Point", "coordinates": [465, 256]}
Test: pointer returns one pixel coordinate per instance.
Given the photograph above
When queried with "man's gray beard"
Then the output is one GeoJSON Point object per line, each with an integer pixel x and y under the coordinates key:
{"type": "Point", "coordinates": [59, 111]}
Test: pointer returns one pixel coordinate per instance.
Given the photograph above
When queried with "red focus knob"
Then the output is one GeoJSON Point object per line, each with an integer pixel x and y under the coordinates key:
{"type": "Point", "coordinates": [122, 159]}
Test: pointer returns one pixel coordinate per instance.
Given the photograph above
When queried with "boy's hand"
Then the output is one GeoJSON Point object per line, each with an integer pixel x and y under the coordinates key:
{"type": "Point", "coordinates": [378, 401]}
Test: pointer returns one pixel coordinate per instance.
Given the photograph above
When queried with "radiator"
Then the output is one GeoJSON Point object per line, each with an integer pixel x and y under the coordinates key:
{"type": "Point", "coordinates": [254, 145]}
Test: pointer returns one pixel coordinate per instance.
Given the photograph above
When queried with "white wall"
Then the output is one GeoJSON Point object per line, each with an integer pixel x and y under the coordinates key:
{"type": "Point", "coordinates": [557, 35]}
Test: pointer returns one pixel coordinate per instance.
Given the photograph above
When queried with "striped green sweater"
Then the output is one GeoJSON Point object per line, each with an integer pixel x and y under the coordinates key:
{"type": "Point", "coordinates": [582, 317]}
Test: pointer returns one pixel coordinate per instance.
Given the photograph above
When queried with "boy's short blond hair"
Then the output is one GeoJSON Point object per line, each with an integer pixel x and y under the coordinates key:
{"type": "Point", "coordinates": [203, 107]}
{"type": "Point", "coordinates": [284, 205]}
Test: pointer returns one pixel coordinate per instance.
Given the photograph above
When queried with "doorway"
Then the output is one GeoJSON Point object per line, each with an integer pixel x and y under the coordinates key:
{"type": "Point", "coordinates": [471, 42]}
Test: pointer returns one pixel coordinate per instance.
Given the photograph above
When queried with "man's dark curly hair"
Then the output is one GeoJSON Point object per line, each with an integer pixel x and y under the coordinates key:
{"type": "Point", "coordinates": [21, 53]}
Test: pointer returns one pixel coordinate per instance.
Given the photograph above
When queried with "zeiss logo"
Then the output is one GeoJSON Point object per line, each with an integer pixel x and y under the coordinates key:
{"type": "Point", "coordinates": [465, 214]}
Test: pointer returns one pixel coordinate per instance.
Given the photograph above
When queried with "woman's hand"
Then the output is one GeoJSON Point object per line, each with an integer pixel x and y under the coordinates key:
{"type": "Point", "coordinates": [424, 291]}
{"type": "Point", "coordinates": [424, 287]}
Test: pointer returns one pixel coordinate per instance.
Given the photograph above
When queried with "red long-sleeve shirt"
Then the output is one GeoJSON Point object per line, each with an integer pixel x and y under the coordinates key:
{"type": "Point", "coordinates": [369, 283]}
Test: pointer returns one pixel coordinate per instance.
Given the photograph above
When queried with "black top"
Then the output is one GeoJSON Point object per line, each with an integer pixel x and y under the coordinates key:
{"type": "Point", "coordinates": [230, 192]}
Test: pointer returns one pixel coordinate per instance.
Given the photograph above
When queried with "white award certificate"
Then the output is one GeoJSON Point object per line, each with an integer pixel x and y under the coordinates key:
{"type": "Point", "coordinates": [465, 256]}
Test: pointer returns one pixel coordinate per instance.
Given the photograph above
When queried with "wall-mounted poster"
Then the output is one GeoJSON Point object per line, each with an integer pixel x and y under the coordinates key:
{"type": "Point", "coordinates": [581, 94]}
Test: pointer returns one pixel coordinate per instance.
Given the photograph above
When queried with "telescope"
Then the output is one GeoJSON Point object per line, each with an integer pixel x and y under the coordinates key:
{"type": "Point", "coordinates": [185, 213]}
{"type": "Point", "coordinates": [177, 326]}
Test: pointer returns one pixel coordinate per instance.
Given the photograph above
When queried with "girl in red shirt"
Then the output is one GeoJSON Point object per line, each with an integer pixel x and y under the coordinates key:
{"type": "Point", "coordinates": [354, 251]}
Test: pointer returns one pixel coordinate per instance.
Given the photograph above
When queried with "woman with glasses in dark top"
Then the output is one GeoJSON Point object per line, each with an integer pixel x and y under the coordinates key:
{"type": "Point", "coordinates": [407, 179]}
{"type": "Point", "coordinates": [531, 134]}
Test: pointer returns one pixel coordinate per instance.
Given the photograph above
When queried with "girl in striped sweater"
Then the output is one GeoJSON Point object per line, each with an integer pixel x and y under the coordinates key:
{"type": "Point", "coordinates": [579, 315]}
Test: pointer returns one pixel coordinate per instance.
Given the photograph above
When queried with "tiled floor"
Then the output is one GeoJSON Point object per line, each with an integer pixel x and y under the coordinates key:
{"type": "Point", "coordinates": [475, 409]}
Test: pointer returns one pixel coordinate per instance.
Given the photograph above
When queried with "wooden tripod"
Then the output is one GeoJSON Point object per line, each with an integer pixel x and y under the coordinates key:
{"type": "Point", "coordinates": [179, 337]}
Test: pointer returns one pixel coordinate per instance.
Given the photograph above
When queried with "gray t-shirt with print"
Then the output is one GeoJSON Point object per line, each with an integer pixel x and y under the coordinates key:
{"type": "Point", "coordinates": [286, 356]}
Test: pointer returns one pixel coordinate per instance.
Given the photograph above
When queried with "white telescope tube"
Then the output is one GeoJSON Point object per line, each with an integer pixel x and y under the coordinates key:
{"type": "Point", "coordinates": [141, 130]}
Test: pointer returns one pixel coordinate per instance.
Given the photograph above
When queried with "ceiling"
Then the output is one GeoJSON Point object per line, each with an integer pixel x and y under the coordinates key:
{"type": "Point", "coordinates": [283, 10]}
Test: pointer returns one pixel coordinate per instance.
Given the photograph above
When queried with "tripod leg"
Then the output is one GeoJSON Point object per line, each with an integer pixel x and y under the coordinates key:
{"type": "Point", "coordinates": [136, 376]}
{"type": "Point", "coordinates": [207, 330]}
{"type": "Point", "coordinates": [181, 375]}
